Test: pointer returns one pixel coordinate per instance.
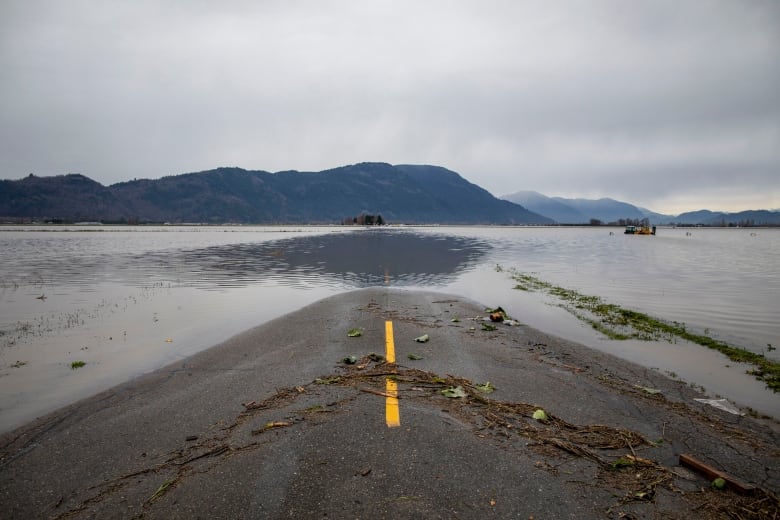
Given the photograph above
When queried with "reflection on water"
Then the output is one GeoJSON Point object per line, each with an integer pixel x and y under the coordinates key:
{"type": "Point", "coordinates": [127, 302]}
{"type": "Point", "coordinates": [343, 259]}
{"type": "Point", "coordinates": [364, 259]}
{"type": "Point", "coordinates": [114, 296]}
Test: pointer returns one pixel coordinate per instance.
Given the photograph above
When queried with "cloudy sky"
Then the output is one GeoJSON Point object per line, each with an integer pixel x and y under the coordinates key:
{"type": "Point", "coordinates": [672, 105]}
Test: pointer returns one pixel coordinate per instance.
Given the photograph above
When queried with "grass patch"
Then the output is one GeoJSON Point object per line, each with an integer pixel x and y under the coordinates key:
{"type": "Point", "coordinates": [618, 323]}
{"type": "Point", "coordinates": [77, 364]}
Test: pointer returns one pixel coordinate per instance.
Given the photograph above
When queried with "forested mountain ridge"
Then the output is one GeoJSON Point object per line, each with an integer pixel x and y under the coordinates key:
{"type": "Point", "coordinates": [414, 194]}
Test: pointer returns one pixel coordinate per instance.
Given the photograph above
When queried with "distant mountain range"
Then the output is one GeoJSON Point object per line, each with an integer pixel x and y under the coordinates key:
{"type": "Point", "coordinates": [400, 194]}
{"type": "Point", "coordinates": [584, 211]}
{"type": "Point", "coordinates": [412, 194]}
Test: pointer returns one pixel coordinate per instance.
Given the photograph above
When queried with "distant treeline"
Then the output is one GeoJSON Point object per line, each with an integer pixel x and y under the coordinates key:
{"type": "Point", "coordinates": [724, 223]}
{"type": "Point", "coordinates": [622, 222]}
{"type": "Point", "coordinates": [364, 220]}
{"type": "Point", "coordinates": [721, 223]}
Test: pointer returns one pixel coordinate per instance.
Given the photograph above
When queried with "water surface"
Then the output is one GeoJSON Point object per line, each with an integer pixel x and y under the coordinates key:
{"type": "Point", "coordinates": [127, 300]}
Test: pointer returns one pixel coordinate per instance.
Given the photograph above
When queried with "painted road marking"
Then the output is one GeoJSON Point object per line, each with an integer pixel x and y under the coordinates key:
{"type": "Point", "coordinates": [392, 414]}
{"type": "Point", "coordinates": [389, 342]}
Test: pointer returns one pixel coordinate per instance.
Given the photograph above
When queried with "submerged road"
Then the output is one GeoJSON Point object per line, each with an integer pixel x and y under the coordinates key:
{"type": "Point", "coordinates": [277, 422]}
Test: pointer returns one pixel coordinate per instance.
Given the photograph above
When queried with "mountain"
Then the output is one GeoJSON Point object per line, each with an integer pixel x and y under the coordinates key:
{"type": "Point", "coordinates": [605, 210]}
{"type": "Point", "coordinates": [656, 218]}
{"type": "Point", "coordinates": [743, 218]}
{"type": "Point", "coordinates": [556, 210]}
{"type": "Point", "coordinates": [576, 211]}
{"type": "Point", "coordinates": [73, 195]}
{"type": "Point", "coordinates": [696, 217]}
{"type": "Point", "coordinates": [401, 194]}
{"type": "Point", "coordinates": [582, 211]}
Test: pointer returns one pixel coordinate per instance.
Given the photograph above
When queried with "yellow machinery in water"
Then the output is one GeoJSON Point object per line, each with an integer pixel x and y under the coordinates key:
{"type": "Point", "coordinates": [640, 230]}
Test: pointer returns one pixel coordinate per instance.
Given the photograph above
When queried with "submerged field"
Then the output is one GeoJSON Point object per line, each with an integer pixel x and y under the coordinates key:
{"type": "Point", "coordinates": [619, 323]}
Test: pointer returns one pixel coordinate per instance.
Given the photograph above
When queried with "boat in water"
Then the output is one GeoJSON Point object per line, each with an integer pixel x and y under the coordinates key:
{"type": "Point", "coordinates": [640, 230]}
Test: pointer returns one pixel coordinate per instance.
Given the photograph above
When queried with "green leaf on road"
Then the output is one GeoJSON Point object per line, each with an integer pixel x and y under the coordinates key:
{"type": "Point", "coordinates": [454, 393]}
{"type": "Point", "coordinates": [487, 388]}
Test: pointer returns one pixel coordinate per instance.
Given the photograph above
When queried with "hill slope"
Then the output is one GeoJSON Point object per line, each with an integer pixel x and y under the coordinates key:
{"type": "Point", "coordinates": [742, 218]}
{"type": "Point", "coordinates": [549, 207]}
{"type": "Point", "coordinates": [581, 211]}
{"type": "Point", "coordinates": [575, 211]}
{"type": "Point", "coordinates": [401, 194]}
{"type": "Point", "coordinates": [71, 196]}
{"type": "Point", "coordinates": [605, 210]}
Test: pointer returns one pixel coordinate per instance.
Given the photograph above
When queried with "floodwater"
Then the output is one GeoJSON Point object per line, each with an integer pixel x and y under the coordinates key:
{"type": "Point", "coordinates": [128, 300]}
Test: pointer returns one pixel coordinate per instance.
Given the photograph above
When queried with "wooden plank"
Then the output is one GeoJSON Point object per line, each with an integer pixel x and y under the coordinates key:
{"type": "Point", "coordinates": [711, 474]}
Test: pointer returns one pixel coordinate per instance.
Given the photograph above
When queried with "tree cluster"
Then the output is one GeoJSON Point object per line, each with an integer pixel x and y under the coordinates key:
{"type": "Point", "coordinates": [632, 222]}
{"type": "Point", "coordinates": [364, 220]}
{"type": "Point", "coordinates": [622, 222]}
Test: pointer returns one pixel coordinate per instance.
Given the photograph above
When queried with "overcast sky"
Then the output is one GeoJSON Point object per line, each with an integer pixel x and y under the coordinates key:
{"type": "Point", "coordinates": [671, 105]}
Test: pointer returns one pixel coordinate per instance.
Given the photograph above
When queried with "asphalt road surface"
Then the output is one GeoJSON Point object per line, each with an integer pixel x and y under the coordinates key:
{"type": "Point", "coordinates": [274, 423]}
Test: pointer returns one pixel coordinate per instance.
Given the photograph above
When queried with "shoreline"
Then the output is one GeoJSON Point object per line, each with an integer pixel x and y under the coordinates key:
{"type": "Point", "coordinates": [75, 460]}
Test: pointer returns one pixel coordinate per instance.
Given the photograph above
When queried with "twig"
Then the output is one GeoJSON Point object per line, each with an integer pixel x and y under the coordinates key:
{"type": "Point", "coordinates": [629, 445]}
{"type": "Point", "coordinates": [211, 453]}
{"type": "Point", "coordinates": [377, 392]}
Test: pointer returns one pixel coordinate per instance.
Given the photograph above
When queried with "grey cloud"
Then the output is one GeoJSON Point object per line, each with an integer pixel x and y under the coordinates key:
{"type": "Point", "coordinates": [563, 98]}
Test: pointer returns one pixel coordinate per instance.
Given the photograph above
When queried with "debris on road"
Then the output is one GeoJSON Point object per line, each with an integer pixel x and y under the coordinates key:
{"type": "Point", "coordinates": [721, 404]}
{"type": "Point", "coordinates": [487, 388]}
{"type": "Point", "coordinates": [454, 392]}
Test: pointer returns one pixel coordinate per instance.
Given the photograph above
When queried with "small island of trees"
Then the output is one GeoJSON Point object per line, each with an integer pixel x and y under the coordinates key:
{"type": "Point", "coordinates": [364, 220]}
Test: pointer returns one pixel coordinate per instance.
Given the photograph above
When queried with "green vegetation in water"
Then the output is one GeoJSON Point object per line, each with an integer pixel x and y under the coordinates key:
{"type": "Point", "coordinates": [618, 323]}
{"type": "Point", "coordinates": [77, 364]}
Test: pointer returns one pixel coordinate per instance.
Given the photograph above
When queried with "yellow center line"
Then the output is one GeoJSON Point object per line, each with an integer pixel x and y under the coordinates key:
{"type": "Point", "coordinates": [392, 414]}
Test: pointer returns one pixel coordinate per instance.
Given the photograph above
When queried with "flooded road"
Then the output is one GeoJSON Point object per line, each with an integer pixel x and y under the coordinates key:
{"type": "Point", "coordinates": [127, 300]}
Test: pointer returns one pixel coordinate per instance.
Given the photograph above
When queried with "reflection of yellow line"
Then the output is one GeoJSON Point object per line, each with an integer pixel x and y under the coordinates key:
{"type": "Point", "coordinates": [392, 414]}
